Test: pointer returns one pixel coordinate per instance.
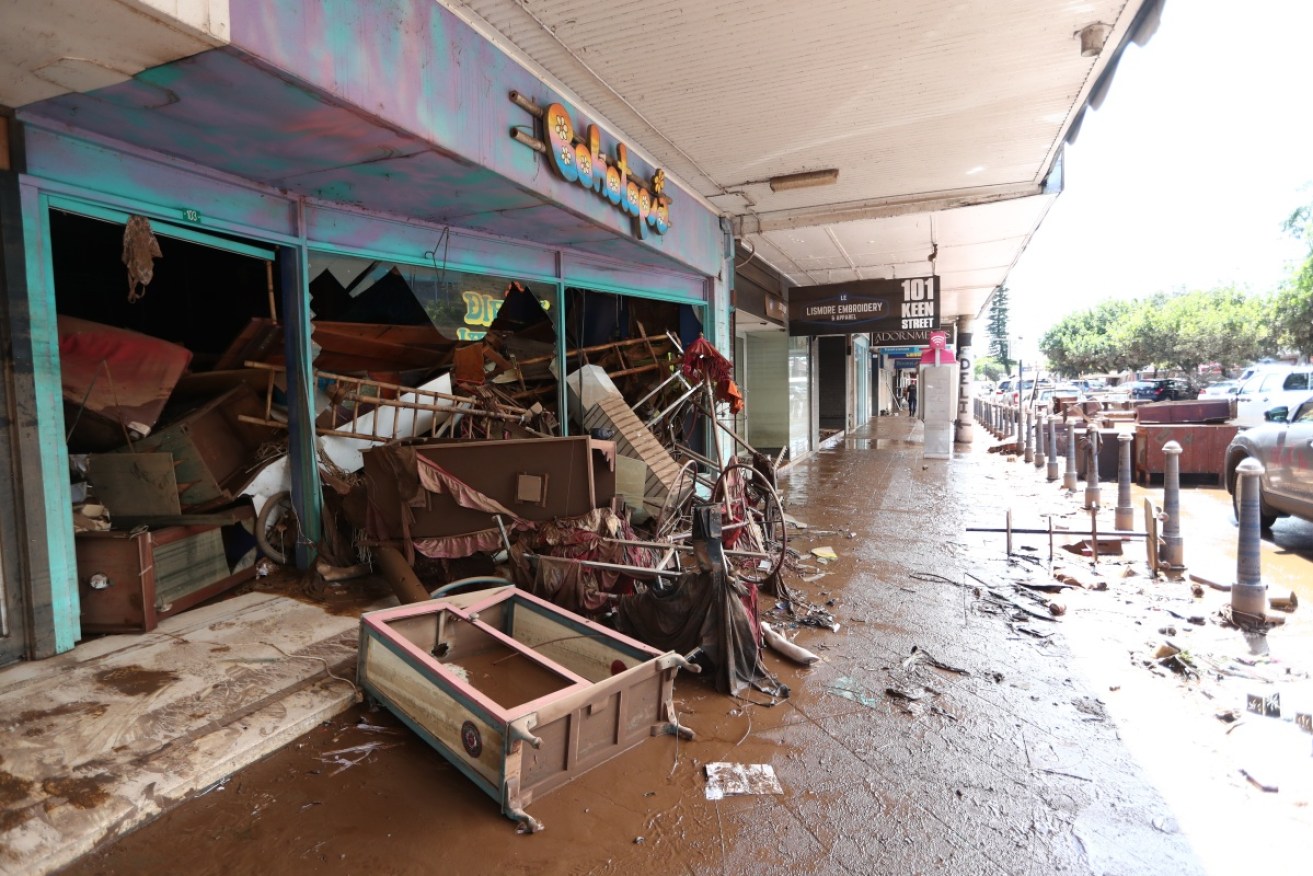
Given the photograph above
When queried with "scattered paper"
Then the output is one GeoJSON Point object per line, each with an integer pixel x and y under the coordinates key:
{"type": "Point", "coordinates": [824, 553]}
{"type": "Point", "coordinates": [738, 779]}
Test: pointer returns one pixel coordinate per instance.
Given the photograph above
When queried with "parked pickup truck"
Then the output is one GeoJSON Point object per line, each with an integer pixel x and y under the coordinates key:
{"type": "Point", "coordinates": [1282, 385]}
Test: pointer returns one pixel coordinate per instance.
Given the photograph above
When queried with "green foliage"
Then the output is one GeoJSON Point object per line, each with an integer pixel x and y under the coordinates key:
{"type": "Point", "coordinates": [1089, 341]}
{"type": "Point", "coordinates": [1180, 330]}
{"type": "Point", "coordinates": [998, 328]}
{"type": "Point", "coordinates": [989, 368]}
{"type": "Point", "coordinates": [1292, 307]}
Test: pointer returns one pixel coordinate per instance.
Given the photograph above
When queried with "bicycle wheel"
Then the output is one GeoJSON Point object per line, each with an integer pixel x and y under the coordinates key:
{"type": "Point", "coordinates": [277, 529]}
{"type": "Point", "coordinates": [752, 522]}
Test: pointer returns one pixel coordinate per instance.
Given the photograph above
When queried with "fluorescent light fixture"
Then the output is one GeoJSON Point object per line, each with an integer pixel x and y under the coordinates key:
{"type": "Point", "coordinates": [804, 180]}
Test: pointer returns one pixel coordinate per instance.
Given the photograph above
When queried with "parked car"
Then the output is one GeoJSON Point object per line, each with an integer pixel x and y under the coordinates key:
{"type": "Point", "coordinates": [1220, 389]}
{"type": "Point", "coordinates": [1271, 387]}
{"type": "Point", "coordinates": [1284, 445]}
{"type": "Point", "coordinates": [1163, 389]}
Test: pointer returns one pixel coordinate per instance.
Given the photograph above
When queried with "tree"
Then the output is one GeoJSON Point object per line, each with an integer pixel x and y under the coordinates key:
{"type": "Point", "coordinates": [1180, 330]}
{"type": "Point", "coordinates": [989, 368]}
{"type": "Point", "coordinates": [998, 328]}
{"type": "Point", "coordinates": [1292, 308]}
{"type": "Point", "coordinates": [1088, 341]}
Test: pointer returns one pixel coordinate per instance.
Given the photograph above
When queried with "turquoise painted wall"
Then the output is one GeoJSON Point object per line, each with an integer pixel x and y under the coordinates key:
{"type": "Point", "coordinates": [416, 66]}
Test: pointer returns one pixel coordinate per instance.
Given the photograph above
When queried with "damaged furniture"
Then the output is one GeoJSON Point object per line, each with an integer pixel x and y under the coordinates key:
{"type": "Point", "coordinates": [214, 446]}
{"type": "Point", "coordinates": [441, 498]}
{"type": "Point", "coordinates": [115, 382]}
{"type": "Point", "coordinates": [521, 696]}
{"type": "Point", "coordinates": [129, 581]}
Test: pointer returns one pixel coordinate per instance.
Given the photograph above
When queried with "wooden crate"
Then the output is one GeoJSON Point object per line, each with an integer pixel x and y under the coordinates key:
{"type": "Point", "coordinates": [576, 695]}
{"type": "Point", "coordinates": [153, 574]}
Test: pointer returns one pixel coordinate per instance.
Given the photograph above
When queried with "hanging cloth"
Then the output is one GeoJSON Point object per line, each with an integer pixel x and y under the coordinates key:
{"type": "Point", "coordinates": [140, 249]}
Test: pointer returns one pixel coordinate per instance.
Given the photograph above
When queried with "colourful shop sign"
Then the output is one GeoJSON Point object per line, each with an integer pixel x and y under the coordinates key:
{"type": "Point", "coordinates": [578, 158]}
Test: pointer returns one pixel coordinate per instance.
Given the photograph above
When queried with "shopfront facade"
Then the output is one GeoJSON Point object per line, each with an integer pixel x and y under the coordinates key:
{"type": "Point", "coordinates": [366, 143]}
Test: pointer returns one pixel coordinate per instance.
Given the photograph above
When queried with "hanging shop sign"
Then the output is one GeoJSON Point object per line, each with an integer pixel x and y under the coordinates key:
{"type": "Point", "coordinates": [577, 157]}
{"type": "Point", "coordinates": [894, 311]}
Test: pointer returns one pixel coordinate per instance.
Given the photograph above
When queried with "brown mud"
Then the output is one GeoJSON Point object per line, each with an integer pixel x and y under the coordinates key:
{"type": "Point", "coordinates": [1017, 765]}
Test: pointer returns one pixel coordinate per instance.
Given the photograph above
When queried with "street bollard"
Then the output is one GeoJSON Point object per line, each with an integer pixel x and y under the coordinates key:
{"type": "Point", "coordinates": [1053, 448]}
{"type": "Point", "coordinates": [1021, 440]}
{"type": "Point", "coordinates": [1125, 517]}
{"type": "Point", "coordinates": [1172, 554]}
{"type": "Point", "coordinates": [1041, 450]}
{"type": "Point", "coordinates": [1069, 474]}
{"type": "Point", "coordinates": [1030, 438]}
{"type": "Point", "coordinates": [1249, 594]}
{"type": "Point", "coordinates": [1092, 469]}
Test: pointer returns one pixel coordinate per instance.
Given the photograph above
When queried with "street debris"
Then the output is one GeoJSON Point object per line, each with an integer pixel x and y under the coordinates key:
{"type": "Point", "coordinates": [740, 779]}
{"type": "Point", "coordinates": [793, 651]}
{"type": "Point", "coordinates": [824, 553]}
{"type": "Point", "coordinates": [848, 688]}
{"type": "Point", "coordinates": [1258, 783]}
{"type": "Point", "coordinates": [1107, 547]}
{"type": "Point", "coordinates": [344, 763]}
{"type": "Point", "coordinates": [1284, 603]}
{"type": "Point", "coordinates": [920, 656]}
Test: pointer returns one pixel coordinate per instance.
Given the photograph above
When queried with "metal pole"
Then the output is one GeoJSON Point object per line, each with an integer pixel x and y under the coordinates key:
{"type": "Point", "coordinates": [1249, 593]}
{"type": "Point", "coordinates": [1125, 518]}
{"type": "Point", "coordinates": [1173, 552]}
{"type": "Point", "coordinates": [1092, 470]}
{"type": "Point", "coordinates": [1041, 453]}
{"type": "Point", "coordinates": [1029, 433]}
{"type": "Point", "coordinates": [1053, 448]}
{"type": "Point", "coordinates": [1021, 437]}
{"type": "Point", "coordinates": [1069, 473]}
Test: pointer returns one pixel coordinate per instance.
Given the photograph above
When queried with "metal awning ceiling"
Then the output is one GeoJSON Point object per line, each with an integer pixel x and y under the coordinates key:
{"type": "Point", "coordinates": [944, 118]}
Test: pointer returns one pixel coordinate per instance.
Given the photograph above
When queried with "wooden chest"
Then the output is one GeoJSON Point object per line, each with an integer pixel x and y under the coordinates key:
{"type": "Point", "coordinates": [518, 694]}
{"type": "Point", "coordinates": [129, 581]}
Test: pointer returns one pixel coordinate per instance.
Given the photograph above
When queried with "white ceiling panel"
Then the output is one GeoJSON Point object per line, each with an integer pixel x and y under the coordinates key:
{"type": "Point", "coordinates": [931, 110]}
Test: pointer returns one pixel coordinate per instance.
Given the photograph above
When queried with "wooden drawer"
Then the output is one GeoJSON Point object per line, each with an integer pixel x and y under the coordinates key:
{"type": "Point", "coordinates": [153, 574]}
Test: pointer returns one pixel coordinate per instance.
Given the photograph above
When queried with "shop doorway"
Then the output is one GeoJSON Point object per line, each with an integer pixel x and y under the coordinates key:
{"type": "Point", "coordinates": [832, 369]}
{"type": "Point", "coordinates": [150, 318]}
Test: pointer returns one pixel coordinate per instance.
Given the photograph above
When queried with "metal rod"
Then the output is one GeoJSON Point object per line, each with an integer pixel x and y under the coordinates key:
{"type": "Point", "coordinates": [679, 401]}
{"type": "Point", "coordinates": [633, 571]}
{"type": "Point", "coordinates": [681, 547]}
{"type": "Point", "coordinates": [1115, 533]}
{"type": "Point", "coordinates": [527, 104]}
{"type": "Point", "coordinates": [677, 375]}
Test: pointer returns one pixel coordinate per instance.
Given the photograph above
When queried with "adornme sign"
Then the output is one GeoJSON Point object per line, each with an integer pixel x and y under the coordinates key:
{"type": "Point", "coordinates": [895, 311]}
{"type": "Point", "coordinates": [578, 158]}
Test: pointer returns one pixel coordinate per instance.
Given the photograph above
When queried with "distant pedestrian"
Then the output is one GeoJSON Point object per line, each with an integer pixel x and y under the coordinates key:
{"type": "Point", "coordinates": [910, 392]}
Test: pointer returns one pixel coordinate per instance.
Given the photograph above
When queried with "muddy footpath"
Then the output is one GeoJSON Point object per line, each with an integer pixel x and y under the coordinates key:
{"type": "Point", "coordinates": [973, 713]}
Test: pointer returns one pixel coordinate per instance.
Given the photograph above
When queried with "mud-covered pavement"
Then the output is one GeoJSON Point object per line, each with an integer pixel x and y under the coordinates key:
{"type": "Point", "coordinates": [1058, 749]}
